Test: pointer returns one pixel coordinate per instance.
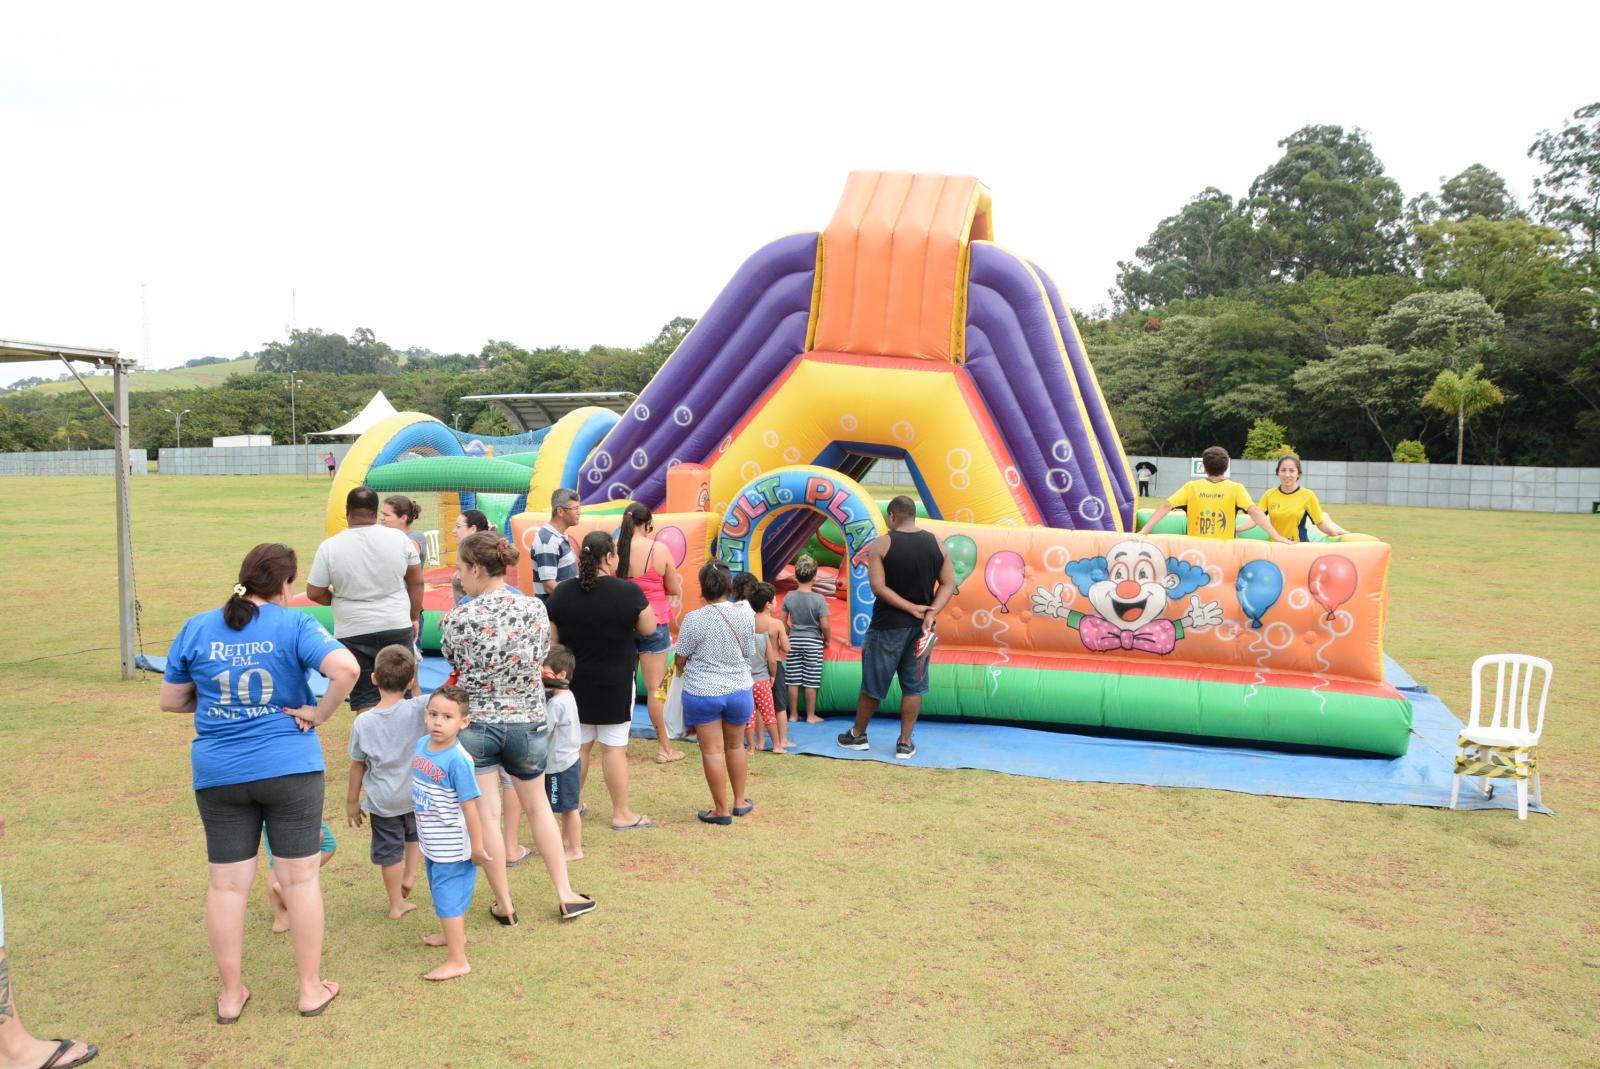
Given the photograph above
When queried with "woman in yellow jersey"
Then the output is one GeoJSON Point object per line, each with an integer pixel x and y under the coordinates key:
{"type": "Point", "coordinates": [1291, 507]}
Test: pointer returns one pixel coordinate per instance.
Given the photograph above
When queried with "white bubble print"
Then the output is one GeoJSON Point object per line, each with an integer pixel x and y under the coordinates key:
{"type": "Point", "coordinates": [726, 443]}
{"type": "Point", "coordinates": [861, 622]}
{"type": "Point", "coordinates": [1055, 558]}
{"type": "Point", "coordinates": [770, 439]}
{"type": "Point", "coordinates": [965, 515]}
{"type": "Point", "coordinates": [674, 462]}
{"type": "Point", "coordinates": [1299, 598]}
{"type": "Point", "coordinates": [848, 422]}
{"type": "Point", "coordinates": [602, 461]}
{"type": "Point", "coordinates": [958, 459]}
{"type": "Point", "coordinates": [639, 459]}
{"type": "Point", "coordinates": [1013, 478]}
{"type": "Point", "coordinates": [960, 480]}
{"type": "Point", "coordinates": [1061, 450]}
{"type": "Point", "coordinates": [619, 492]}
{"type": "Point", "coordinates": [791, 455]}
{"type": "Point", "coordinates": [641, 411]}
{"type": "Point", "coordinates": [683, 415]}
{"type": "Point", "coordinates": [595, 476]}
{"type": "Point", "coordinates": [903, 431]}
{"type": "Point", "coordinates": [1058, 479]}
{"type": "Point", "coordinates": [1091, 509]}
{"type": "Point", "coordinates": [750, 470]}
{"type": "Point", "coordinates": [785, 495]}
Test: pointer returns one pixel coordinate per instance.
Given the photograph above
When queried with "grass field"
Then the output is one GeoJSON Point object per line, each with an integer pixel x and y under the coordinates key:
{"type": "Point", "coordinates": [866, 915]}
{"type": "Point", "coordinates": [182, 378]}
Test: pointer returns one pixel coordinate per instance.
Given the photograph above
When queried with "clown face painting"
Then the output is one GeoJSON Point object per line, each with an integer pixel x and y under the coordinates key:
{"type": "Point", "coordinates": [1129, 591]}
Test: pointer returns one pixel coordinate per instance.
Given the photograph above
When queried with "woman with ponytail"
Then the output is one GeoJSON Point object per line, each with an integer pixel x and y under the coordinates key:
{"type": "Point", "coordinates": [598, 616]}
{"type": "Point", "coordinates": [241, 672]}
{"type": "Point", "coordinates": [653, 572]}
{"type": "Point", "coordinates": [400, 512]}
{"type": "Point", "coordinates": [497, 644]}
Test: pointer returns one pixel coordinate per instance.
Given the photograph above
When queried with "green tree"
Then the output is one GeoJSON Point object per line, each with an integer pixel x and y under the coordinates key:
{"type": "Point", "coordinates": [1203, 251]}
{"type": "Point", "coordinates": [1265, 440]}
{"type": "Point", "coordinates": [1327, 205]}
{"type": "Point", "coordinates": [1462, 396]}
{"type": "Point", "coordinates": [1410, 451]}
{"type": "Point", "coordinates": [1444, 322]}
{"type": "Point", "coordinates": [1567, 195]}
{"type": "Point", "coordinates": [1371, 380]}
{"type": "Point", "coordinates": [313, 350]}
{"type": "Point", "coordinates": [1509, 261]}
{"type": "Point", "coordinates": [1333, 313]}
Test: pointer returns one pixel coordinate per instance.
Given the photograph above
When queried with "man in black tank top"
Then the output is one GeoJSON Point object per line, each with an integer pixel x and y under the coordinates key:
{"type": "Point", "coordinates": [912, 581]}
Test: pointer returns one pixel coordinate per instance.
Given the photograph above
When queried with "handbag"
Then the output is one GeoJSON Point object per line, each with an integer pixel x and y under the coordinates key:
{"type": "Point", "coordinates": [673, 711]}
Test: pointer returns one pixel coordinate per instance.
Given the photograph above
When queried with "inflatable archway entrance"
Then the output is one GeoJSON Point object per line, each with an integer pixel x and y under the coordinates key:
{"type": "Point", "coordinates": [805, 486]}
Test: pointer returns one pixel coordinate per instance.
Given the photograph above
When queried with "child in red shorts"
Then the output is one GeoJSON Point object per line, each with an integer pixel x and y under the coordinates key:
{"type": "Point", "coordinates": [772, 646]}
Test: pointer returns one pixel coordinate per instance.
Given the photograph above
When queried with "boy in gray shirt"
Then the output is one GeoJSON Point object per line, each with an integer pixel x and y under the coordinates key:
{"type": "Point", "coordinates": [382, 741]}
{"type": "Point", "coordinates": [805, 612]}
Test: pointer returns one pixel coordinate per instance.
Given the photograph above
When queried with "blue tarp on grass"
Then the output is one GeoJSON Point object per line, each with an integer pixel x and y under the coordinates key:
{"type": "Point", "coordinates": [1422, 777]}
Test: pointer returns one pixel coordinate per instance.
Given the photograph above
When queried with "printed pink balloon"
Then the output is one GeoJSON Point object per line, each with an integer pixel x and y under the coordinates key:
{"type": "Point", "coordinates": [672, 538]}
{"type": "Point", "coordinates": [1003, 575]}
{"type": "Point", "coordinates": [1332, 581]}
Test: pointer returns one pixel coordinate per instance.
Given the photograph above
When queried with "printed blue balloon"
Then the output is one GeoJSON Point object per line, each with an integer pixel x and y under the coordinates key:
{"type": "Point", "coordinates": [1260, 583]}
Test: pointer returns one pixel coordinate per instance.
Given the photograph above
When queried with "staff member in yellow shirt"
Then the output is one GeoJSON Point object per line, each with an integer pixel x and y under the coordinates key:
{"type": "Point", "coordinates": [1291, 507]}
{"type": "Point", "coordinates": [1210, 503]}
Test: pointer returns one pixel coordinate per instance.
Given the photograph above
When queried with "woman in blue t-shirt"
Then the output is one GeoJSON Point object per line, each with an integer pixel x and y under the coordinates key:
{"type": "Point", "coordinates": [241, 670]}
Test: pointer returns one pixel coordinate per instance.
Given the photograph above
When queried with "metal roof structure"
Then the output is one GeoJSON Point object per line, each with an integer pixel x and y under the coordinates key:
{"type": "Point", "coordinates": [20, 352]}
{"type": "Point", "coordinates": [531, 411]}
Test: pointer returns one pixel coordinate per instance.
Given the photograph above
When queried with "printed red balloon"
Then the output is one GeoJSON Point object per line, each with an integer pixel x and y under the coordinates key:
{"type": "Point", "coordinates": [1332, 581]}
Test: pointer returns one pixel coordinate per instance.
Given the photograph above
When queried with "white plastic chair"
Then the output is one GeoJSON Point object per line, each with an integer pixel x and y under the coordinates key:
{"type": "Point", "coordinates": [1502, 747]}
{"type": "Point", "coordinates": [431, 538]}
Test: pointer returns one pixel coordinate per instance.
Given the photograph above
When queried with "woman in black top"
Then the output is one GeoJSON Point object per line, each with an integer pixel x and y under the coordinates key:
{"type": "Point", "coordinates": [596, 616]}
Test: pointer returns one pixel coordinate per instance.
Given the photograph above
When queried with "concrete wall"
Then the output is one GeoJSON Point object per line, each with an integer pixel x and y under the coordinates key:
{"type": "Point", "coordinates": [71, 462]}
{"type": "Point", "coordinates": [250, 460]}
{"type": "Point", "coordinates": [1466, 486]}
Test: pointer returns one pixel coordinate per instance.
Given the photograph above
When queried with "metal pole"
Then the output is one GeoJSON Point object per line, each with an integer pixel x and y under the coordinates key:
{"type": "Point", "coordinates": [124, 529]}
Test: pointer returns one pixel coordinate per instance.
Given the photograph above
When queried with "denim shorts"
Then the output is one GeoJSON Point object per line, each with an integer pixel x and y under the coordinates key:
{"type": "Point", "coordinates": [519, 749]}
{"type": "Point", "coordinates": [450, 885]}
{"type": "Point", "coordinates": [887, 653]}
{"type": "Point", "coordinates": [732, 708]}
{"type": "Point", "coordinates": [562, 788]}
{"type": "Point", "coordinates": [660, 642]}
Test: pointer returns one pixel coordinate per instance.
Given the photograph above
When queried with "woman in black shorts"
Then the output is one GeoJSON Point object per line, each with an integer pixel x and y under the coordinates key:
{"type": "Point", "coordinates": [241, 671]}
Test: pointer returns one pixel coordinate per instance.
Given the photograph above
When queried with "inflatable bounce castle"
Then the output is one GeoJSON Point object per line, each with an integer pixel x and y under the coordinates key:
{"type": "Point", "coordinates": [903, 331]}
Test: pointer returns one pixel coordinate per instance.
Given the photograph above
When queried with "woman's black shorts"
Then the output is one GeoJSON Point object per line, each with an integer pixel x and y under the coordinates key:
{"type": "Point", "coordinates": [290, 807]}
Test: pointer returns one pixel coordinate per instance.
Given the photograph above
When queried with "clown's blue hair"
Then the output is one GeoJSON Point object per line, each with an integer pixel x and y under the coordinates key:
{"type": "Point", "coordinates": [1090, 570]}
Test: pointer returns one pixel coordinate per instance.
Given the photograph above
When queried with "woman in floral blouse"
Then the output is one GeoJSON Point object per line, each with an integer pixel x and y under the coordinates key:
{"type": "Point", "coordinates": [497, 644]}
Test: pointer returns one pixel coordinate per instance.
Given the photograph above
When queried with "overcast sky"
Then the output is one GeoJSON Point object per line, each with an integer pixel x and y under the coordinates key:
{"type": "Point", "coordinates": [581, 173]}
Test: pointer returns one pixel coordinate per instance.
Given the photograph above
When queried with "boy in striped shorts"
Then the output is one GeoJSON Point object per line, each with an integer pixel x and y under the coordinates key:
{"type": "Point", "coordinates": [805, 613]}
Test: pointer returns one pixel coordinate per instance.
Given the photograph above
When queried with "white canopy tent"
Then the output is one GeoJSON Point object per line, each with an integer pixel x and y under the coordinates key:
{"type": "Point", "coordinates": [376, 411]}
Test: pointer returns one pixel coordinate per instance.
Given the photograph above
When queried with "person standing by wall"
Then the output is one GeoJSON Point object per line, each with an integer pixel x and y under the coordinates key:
{"type": "Point", "coordinates": [372, 576]}
{"type": "Point", "coordinates": [912, 581]}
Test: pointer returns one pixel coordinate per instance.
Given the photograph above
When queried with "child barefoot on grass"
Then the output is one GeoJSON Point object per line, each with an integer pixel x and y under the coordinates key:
{"type": "Point", "coordinates": [444, 791]}
{"type": "Point", "coordinates": [806, 614]}
{"type": "Point", "coordinates": [774, 640]}
{"type": "Point", "coordinates": [280, 908]}
{"type": "Point", "coordinates": [382, 740]}
{"type": "Point", "coordinates": [561, 779]}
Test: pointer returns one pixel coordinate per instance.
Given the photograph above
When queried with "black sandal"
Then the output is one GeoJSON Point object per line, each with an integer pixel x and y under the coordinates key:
{"type": "Point", "coordinates": [709, 817]}
{"type": "Point", "coordinates": [509, 922]}
{"type": "Point", "coordinates": [570, 910]}
{"type": "Point", "coordinates": [64, 1045]}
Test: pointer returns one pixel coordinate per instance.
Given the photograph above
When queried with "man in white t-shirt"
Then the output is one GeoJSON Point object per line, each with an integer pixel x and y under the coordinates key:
{"type": "Point", "coordinates": [372, 576]}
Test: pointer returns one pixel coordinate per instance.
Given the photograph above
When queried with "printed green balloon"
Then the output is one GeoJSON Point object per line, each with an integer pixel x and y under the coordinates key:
{"type": "Point", "coordinates": [963, 557]}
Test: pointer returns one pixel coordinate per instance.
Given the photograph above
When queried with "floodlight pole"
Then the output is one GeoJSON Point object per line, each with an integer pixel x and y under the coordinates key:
{"type": "Point", "coordinates": [124, 523]}
{"type": "Point", "coordinates": [179, 416]}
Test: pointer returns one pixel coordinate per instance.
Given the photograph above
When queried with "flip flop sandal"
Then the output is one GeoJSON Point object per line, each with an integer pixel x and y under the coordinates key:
{"type": "Point", "coordinates": [64, 1045]}
{"type": "Point", "coordinates": [742, 810]}
{"type": "Point", "coordinates": [318, 1011]}
{"type": "Point", "coordinates": [573, 910]}
{"type": "Point", "coordinates": [708, 817]}
{"type": "Point", "coordinates": [526, 854]}
{"type": "Point", "coordinates": [638, 825]}
{"type": "Point", "coordinates": [235, 1018]}
{"type": "Point", "coordinates": [507, 921]}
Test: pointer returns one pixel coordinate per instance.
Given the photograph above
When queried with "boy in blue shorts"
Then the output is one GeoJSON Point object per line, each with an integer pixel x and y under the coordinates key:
{"type": "Point", "coordinates": [382, 740]}
{"type": "Point", "coordinates": [444, 792]}
{"type": "Point", "coordinates": [561, 769]}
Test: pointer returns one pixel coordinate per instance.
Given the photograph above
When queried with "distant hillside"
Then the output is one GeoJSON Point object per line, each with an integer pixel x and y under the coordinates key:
{"type": "Point", "coordinates": [183, 378]}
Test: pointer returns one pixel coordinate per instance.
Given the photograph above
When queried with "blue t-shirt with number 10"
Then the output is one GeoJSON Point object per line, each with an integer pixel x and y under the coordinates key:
{"type": "Point", "coordinates": [243, 681]}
